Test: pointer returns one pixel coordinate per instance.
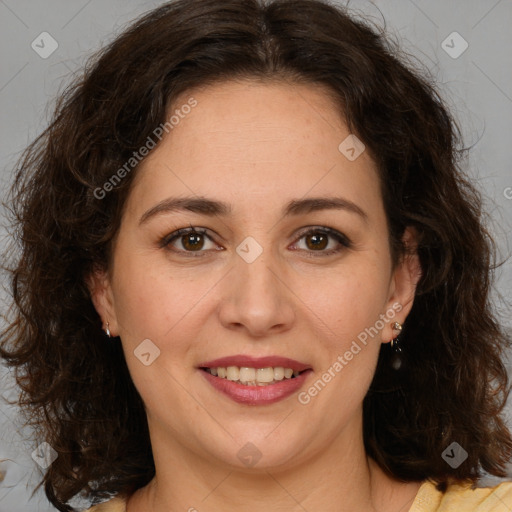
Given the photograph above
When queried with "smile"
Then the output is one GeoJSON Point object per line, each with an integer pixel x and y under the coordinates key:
{"type": "Point", "coordinates": [253, 376]}
{"type": "Point", "coordinates": [255, 381]}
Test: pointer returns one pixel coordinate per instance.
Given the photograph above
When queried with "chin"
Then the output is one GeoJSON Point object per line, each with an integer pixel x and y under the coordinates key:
{"type": "Point", "coordinates": [258, 453]}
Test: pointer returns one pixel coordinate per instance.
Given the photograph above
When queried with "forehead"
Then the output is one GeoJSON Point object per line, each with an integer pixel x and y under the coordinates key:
{"type": "Point", "coordinates": [258, 121]}
{"type": "Point", "coordinates": [258, 140]}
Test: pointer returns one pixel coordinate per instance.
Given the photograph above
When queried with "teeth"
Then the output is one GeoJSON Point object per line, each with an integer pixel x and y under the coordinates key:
{"type": "Point", "coordinates": [265, 375]}
{"type": "Point", "coordinates": [279, 373]}
{"type": "Point", "coordinates": [253, 376]}
{"type": "Point", "coordinates": [233, 373]}
{"type": "Point", "coordinates": [247, 375]}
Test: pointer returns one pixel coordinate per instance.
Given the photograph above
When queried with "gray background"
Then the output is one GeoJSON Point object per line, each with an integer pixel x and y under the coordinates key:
{"type": "Point", "coordinates": [476, 84]}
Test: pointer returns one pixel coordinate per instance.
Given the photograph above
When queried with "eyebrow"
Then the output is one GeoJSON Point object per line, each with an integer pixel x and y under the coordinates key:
{"type": "Point", "coordinates": [212, 208]}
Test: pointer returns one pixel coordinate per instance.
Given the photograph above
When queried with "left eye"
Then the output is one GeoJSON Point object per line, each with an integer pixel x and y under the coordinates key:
{"type": "Point", "coordinates": [192, 240]}
{"type": "Point", "coordinates": [317, 240]}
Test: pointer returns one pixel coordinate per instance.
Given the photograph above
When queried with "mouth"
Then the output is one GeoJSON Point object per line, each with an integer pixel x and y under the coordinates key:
{"type": "Point", "coordinates": [248, 376]}
{"type": "Point", "coordinates": [255, 381]}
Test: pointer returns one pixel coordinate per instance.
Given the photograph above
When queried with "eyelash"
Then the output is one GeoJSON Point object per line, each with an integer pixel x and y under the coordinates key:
{"type": "Point", "coordinates": [339, 237]}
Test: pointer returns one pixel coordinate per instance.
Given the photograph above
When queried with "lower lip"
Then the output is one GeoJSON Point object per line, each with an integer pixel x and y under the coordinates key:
{"type": "Point", "coordinates": [257, 395]}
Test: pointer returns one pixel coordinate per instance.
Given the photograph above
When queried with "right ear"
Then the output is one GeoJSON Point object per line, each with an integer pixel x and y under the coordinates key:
{"type": "Point", "coordinates": [102, 297]}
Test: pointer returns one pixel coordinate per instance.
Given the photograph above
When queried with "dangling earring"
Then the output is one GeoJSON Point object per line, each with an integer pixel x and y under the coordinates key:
{"type": "Point", "coordinates": [396, 360]}
{"type": "Point", "coordinates": [107, 330]}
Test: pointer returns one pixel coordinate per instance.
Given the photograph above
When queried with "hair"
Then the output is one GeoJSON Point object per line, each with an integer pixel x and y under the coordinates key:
{"type": "Point", "coordinates": [75, 386]}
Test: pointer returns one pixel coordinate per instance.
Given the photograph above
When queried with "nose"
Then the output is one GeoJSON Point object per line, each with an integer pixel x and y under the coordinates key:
{"type": "Point", "coordinates": [256, 298]}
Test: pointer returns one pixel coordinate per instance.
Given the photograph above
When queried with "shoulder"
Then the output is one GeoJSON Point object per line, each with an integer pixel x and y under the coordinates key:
{"type": "Point", "coordinates": [464, 498]}
{"type": "Point", "coordinates": [113, 505]}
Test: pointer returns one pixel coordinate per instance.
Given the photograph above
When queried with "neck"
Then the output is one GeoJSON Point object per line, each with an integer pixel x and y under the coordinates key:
{"type": "Point", "coordinates": [339, 478]}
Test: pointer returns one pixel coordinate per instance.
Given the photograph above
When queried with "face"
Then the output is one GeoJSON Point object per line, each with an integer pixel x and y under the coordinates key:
{"type": "Point", "coordinates": [282, 261]}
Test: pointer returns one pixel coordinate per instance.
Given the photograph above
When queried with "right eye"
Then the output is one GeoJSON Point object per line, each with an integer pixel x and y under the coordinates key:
{"type": "Point", "coordinates": [191, 240]}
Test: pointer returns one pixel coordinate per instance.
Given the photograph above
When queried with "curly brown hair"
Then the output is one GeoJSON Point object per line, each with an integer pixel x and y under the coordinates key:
{"type": "Point", "coordinates": [76, 389]}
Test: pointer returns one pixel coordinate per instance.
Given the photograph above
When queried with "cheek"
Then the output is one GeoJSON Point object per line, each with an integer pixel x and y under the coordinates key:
{"type": "Point", "coordinates": [345, 313]}
{"type": "Point", "coordinates": [348, 300]}
{"type": "Point", "coordinates": [151, 300]}
{"type": "Point", "coordinates": [153, 304]}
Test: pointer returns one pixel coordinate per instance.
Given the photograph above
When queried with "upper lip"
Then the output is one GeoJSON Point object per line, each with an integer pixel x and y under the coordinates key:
{"type": "Point", "coordinates": [255, 362]}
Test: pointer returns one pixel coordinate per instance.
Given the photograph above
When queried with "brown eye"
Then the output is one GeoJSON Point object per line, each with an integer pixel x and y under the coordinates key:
{"type": "Point", "coordinates": [317, 241]}
{"type": "Point", "coordinates": [192, 241]}
{"type": "Point", "coordinates": [188, 240]}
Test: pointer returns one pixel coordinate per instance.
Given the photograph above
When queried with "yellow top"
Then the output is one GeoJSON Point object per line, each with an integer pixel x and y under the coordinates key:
{"type": "Point", "coordinates": [461, 498]}
{"type": "Point", "coordinates": [458, 498]}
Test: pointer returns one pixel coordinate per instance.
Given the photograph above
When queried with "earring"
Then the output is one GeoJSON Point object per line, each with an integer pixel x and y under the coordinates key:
{"type": "Point", "coordinates": [394, 342]}
{"type": "Point", "coordinates": [107, 330]}
{"type": "Point", "coordinates": [396, 360]}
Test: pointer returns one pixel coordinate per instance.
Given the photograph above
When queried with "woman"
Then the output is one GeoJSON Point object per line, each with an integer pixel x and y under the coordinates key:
{"type": "Point", "coordinates": [254, 277]}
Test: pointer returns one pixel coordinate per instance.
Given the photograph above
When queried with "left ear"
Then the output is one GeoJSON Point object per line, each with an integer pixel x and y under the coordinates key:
{"type": "Point", "coordinates": [403, 282]}
{"type": "Point", "coordinates": [102, 298]}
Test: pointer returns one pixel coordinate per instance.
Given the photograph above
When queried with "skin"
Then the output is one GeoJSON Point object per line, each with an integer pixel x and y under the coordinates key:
{"type": "Point", "coordinates": [256, 146]}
